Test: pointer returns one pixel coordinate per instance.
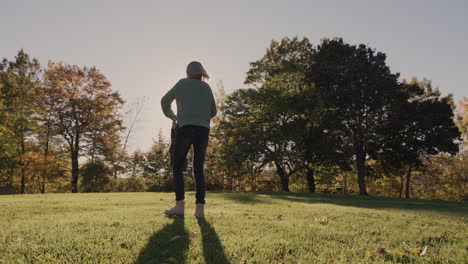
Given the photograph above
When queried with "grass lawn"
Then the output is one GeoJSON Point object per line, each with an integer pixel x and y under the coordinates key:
{"type": "Point", "coordinates": [239, 228]}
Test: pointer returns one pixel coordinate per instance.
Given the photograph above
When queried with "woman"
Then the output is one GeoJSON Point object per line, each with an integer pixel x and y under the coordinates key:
{"type": "Point", "coordinates": [195, 108]}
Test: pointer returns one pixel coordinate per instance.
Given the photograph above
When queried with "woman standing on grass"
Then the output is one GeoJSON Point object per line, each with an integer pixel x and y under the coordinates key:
{"type": "Point", "coordinates": [195, 108]}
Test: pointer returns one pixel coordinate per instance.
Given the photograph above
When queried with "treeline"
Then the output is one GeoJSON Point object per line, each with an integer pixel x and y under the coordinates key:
{"type": "Point", "coordinates": [335, 116]}
{"type": "Point", "coordinates": [331, 117]}
{"type": "Point", "coordinates": [53, 118]}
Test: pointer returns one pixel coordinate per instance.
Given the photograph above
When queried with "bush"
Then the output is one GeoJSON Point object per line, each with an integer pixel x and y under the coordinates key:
{"type": "Point", "coordinates": [95, 177]}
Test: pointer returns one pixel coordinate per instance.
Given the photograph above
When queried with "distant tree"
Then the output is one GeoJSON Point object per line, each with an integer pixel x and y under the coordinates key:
{"type": "Point", "coordinates": [461, 117]}
{"type": "Point", "coordinates": [48, 141]}
{"type": "Point", "coordinates": [136, 164]}
{"type": "Point", "coordinates": [18, 81]}
{"type": "Point", "coordinates": [358, 91]}
{"type": "Point", "coordinates": [462, 122]}
{"type": "Point", "coordinates": [156, 163]}
{"type": "Point", "coordinates": [441, 176]}
{"type": "Point", "coordinates": [422, 126]}
{"type": "Point", "coordinates": [35, 163]}
{"type": "Point", "coordinates": [5, 177]}
{"type": "Point", "coordinates": [85, 110]}
{"type": "Point", "coordinates": [219, 173]}
{"type": "Point", "coordinates": [96, 176]}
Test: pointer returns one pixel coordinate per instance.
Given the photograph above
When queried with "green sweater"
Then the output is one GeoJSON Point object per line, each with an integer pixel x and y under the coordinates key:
{"type": "Point", "coordinates": [195, 103]}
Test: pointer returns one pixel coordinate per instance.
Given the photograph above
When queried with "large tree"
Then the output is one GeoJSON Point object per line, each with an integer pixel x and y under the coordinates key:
{"type": "Point", "coordinates": [85, 110]}
{"type": "Point", "coordinates": [358, 90]}
{"type": "Point", "coordinates": [269, 107]}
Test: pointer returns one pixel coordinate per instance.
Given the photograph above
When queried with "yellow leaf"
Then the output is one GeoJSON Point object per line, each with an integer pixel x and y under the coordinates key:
{"type": "Point", "coordinates": [321, 220]}
{"type": "Point", "coordinates": [416, 250]}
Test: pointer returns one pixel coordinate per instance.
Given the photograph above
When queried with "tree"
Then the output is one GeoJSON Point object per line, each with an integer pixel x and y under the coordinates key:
{"type": "Point", "coordinates": [84, 108]}
{"type": "Point", "coordinates": [95, 176]}
{"type": "Point", "coordinates": [419, 127]}
{"type": "Point", "coordinates": [278, 81]}
{"type": "Point", "coordinates": [260, 126]}
{"type": "Point", "coordinates": [462, 122]}
{"type": "Point", "coordinates": [19, 79]}
{"type": "Point", "coordinates": [136, 164]}
{"type": "Point", "coordinates": [220, 174]}
{"type": "Point", "coordinates": [156, 163]}
{"type": "Point", "coordinates": [358, 91]}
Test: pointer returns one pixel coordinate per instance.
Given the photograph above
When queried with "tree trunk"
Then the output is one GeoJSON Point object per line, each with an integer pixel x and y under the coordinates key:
{"type": "Point", "coordinates": [46, 155]}
{"type": "Point", "coordinates": [23, 172]}
{"type": "Point", "coordinates": [408, 178]}
{"type": "Point", "coordinates": [75, 171]}
{"type": "Point", "coordinates": [361, 167]}
{"type": "Point", "coordinates": [23, 180]}
{"type": "Point", "coordinates": [402, 184]}
{"type": "Point", "coordinates": [252, 183]}
{"type": "Point", "coordinates": [283, 177]}
{"type": "Point", "coordinates": [11, 176]}
{"type": "Point", "coordinates": [311, 180]}
{"type": "Point", "coordinates": [345, 182]}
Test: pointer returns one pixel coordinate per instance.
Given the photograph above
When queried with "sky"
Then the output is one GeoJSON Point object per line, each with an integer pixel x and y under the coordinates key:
{"type": "Point", "coordinates": [143, 47]}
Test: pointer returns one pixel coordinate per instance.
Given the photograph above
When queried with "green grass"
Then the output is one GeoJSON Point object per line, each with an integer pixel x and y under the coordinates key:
{"type": "Point", "coordinates": [239, 228]}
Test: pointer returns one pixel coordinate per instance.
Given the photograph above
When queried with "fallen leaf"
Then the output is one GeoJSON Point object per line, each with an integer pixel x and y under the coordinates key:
{"type": "Point", "coordinates": [194, 233]}
{"type": "Point", "coordinates": [424, 251]}
{"type": "Point", "coordinates": [172, 260]}
{"type": "Point", "coordinates": [279, 217]}
{"type": "Point", "coordinates": [416, 250]}
{"type": "Point", "coordinates": [381, 250]}
{"type": "Point", "coordinates": [321, 220]}
{"type": "Point", "coordinates": [174, 238]}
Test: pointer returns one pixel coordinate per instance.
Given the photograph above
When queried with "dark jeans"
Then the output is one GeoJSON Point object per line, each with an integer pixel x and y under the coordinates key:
{"type": "Point", "coordinates": [187, 136]}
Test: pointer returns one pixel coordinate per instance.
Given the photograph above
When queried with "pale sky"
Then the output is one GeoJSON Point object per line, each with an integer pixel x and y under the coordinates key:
{"type": "Point", "coordinates": [143, 47]}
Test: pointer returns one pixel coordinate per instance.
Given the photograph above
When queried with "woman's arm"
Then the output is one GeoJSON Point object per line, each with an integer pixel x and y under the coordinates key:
{"type": "Point", "coordinates": [166, 102]}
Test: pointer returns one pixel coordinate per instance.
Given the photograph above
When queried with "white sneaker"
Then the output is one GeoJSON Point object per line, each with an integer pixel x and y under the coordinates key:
{"type": "Point", "coordinates": [200, 211]}
{"type": "Point", "coordinates": [178, 209]}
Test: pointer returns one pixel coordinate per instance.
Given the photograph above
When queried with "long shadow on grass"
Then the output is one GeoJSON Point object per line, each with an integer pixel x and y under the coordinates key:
{"type": "Point", "coordinates": [213, 251]}
{"type": "Point", "coordinates": [170, 244]}
{"type": "Point", "coordinates": [444, 207]}
{"type": "Point", "coordinates": [245, 197]}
